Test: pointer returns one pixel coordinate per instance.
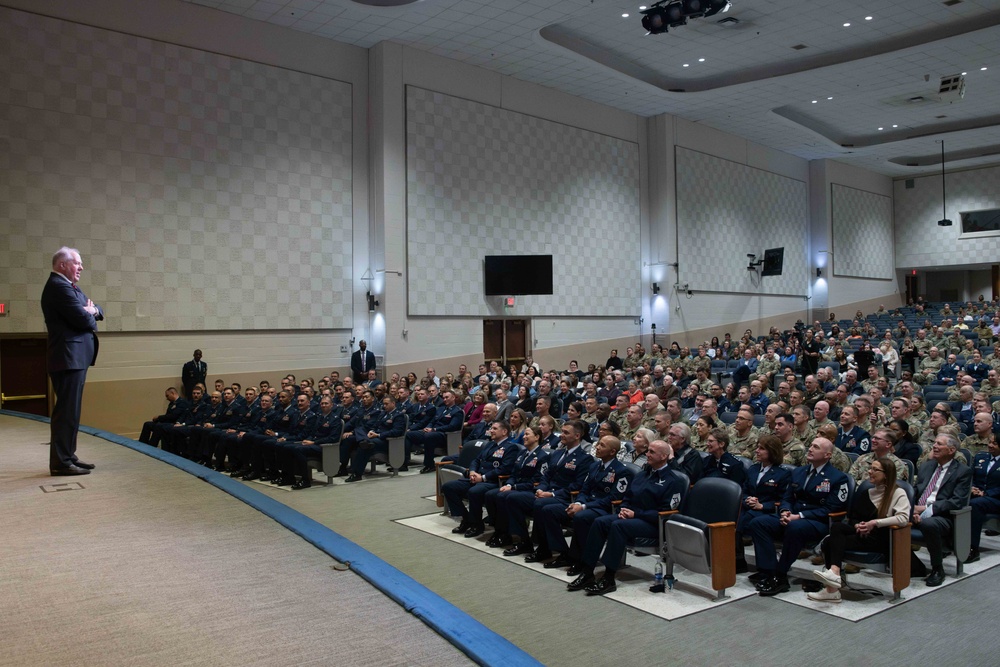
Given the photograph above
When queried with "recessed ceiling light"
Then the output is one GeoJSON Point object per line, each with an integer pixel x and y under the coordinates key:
{"type": "Point", "coordinates": [686, 65]}
{"type": "Point", "coordinates": [895, 125]}
{"type": "Point", "coordinates": [964, 73]}
{"type": "Point", "coordinates": [701, 60]}
{"type": "Point", "coordinates": [847, 25]}
{"type": "Point", "coordinates": [869, 18]}
{"type": "Point", "coordinates": [815, 101]}
{"type": "Point", "coordinates": [982, 69]}
{"type": "Point", "coordinates": [880, 129]}
{"type": "Point", "coordinates": [624, 16]}
{"type": "Point", "coordinates": [829, 98]}
{"type": "Point", "coordinates": [642, 8]}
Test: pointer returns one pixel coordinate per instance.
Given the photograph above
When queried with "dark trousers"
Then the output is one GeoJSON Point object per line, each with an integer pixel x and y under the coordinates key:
{"type": "Point", "coordinates": [457, 489]}
{"type": "Point", "coordinates": [981, 506]}
{"type": "Point", "coordinates": [65, 422]}
{"type": "Point", "coordinates": [613, 535]}
{"type": "Point", "coordinates": [495, 502]}
{"type": "Point", "coordinates": [794, 536]}
{"type": "Point", "coordinates": [935, 530]}
{"type": "Point", "coordinates": [843, 537]}
{"type": "Point", "coordinates": [429, 440]}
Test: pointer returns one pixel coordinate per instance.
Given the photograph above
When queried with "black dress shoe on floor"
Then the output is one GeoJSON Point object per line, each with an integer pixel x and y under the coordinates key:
{"type": "Point", "coordinates": [758, 577]}
{"type": "Point", "coordinates": [426, 469]}
{"type": "Point", "coordinates": [341, 471]}
{"type": "Point", "coordinates": [519, 549]}
{"type": "Point", "coordinates": [774, 586]}
{"type": "Point", "coordinates": [581, 582]}
{"type": "Point", "coordinates": [301, 484]}
{"type": "Point", "coordinates": [460, 528]}
{"type": "Point", "coordinates": [741, 567]}
{"type": "Point", "coordinates": [575, 570]}
{"type": "Point", "coordinates": [935, 578]}
{"type": "Point", "coordinates": [537, 556]}
{"type": "Point", "coordinates": [973, 556]}
{"type": "Point", "coordinates": [69, 470]}
{"type": "Point", "coordinates": [603, 586]}
{"type": "Point", "coordinates": [251, 476]}
{"type": "Point", "coordinates": [498, 541]}
{"type": "Point", "coordinates": [476, 530]}
{"type": "Point", "coordinates": [85, 466]}
{"type": "Point", "coordinates": [561, 561]}
{"type": "Point", "coordinates": [352, 478]}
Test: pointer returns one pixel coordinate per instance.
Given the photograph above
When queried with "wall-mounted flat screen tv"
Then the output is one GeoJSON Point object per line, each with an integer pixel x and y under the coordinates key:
{"type": "Point", "coordinates": [518, 274]}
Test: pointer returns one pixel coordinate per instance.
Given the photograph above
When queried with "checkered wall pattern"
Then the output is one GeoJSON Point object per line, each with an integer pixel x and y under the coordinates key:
{"type": "Point", "coordinates": [862, 233]}
{"type": "Point", "coordinates": [726, 210]}
{"type": "Point", "coordinates": [204, 192]}
{"type": "Point", "coordinates": [487, 181]}
{"type": "Point", "coordinates": [919, 240]}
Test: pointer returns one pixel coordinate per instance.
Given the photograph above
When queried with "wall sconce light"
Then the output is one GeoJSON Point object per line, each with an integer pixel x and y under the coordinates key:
{"type": "Point", "coordinates": [372, 302]}
{"type": "Point", "coordinates": [656, 288]}
{"type": "Point", "coordinates": [819, 272]}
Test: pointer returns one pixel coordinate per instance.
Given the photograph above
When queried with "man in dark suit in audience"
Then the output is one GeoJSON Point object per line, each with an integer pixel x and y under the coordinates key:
{"type": "Point", "coordinates": [362, 361]}
{"type": "Point", "coordinates": [71, 320]}
{"type": "Point", "coordinates": [944, 485]}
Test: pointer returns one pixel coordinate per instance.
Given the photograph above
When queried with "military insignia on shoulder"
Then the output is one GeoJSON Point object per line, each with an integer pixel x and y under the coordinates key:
{"type": "Point", "coordinates": [622, 485]}
{"type": "Point", "coordinates": [675, 502]}
{"type": "Point", "coordinates": [842, 494]}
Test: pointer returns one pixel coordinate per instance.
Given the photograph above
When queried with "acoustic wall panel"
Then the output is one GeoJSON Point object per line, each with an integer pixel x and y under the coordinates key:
{"type": "Point", "coordinates": [862, 233]}
{"type": "Point", "coordinates": [482, 180]}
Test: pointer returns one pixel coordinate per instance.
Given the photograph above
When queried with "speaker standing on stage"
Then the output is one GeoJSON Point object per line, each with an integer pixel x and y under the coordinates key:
{"type": "Point", "coordinates": [71, 320]}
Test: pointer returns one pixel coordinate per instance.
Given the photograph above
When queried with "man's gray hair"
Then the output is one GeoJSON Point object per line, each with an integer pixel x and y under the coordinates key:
{"type": "Point", "coordinates": [64, 254]}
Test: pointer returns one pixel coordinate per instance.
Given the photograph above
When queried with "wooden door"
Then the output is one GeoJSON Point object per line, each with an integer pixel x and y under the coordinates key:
{"type": "Point", "coordinates": [493, 340]}
{"type": "Point", "coordinates": [24, 380]}
{"type": "Point", "coordinates": [515, 341]}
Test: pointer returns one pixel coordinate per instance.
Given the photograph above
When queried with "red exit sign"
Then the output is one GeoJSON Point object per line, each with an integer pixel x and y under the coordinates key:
{"type": "Point", "coordinates": [3, 309]}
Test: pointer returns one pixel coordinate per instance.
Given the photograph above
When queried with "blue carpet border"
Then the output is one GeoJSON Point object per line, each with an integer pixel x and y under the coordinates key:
{"type": "Point", "coordinates": [474, 639]}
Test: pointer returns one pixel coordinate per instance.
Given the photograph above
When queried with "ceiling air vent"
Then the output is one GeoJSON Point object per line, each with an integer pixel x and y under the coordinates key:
{"type": "Point", "coordinates": [951, 3]}
{"type": "Point", "coordinates": [952, 88]}
{"type": "Point", "coordinates": [729, 20]}
{"type": "Point", "coordinates": [799, 47]}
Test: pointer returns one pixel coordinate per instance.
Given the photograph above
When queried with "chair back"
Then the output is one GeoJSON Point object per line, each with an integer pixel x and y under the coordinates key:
{"type": "Point", "coordinates": [470, 452]}
{"type": "Point", "coordinates": [712, 500]}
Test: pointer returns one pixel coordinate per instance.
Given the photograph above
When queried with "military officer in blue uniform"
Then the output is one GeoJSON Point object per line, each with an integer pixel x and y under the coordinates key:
{"type": "Point", "coordinates": [357, 429]}
{"type": "Point", "coordinates": [391, 424]}
{"type": "Point", "coordinates": [221, 440]}
{"type": "Point", "coordinates": [423, 411]}
{"type": "Point", "coordinates": [201, 445]}
{"type": "Point", "coordinates": [607, 483]}
{"type": "Point", "coordinates": [719, 462]}
{"type": "Point", "coordinates": [293, 455]}
{"type": "Point", "coordinates": [985, 492]}
{"type": "Point", "coordinates": [192, 413]}
{"type": "Point", "coordinates": [495, 460]}
{"type": "Point", "coordinates": [568, 468]}
{"type": "Point", "coordinates": [175, 437]}
{"type": "Point", "coordinates": [237, 445]}
{"type": "Point", "coordinates": [303, 428]}
{"type": "Point", "coordinates": [817, 489]}
{"type": "Point", "coordinates": [449, 418]}
{"type": "Point", "coordinates": [529, 467]}
{"type": "Point", "coordinates": [850, 436]}
{"type": "Point", "coordinates": [176, 406]}
{"type": "Point", "coordinates": [763, 490]}
{"type": "Point", "coordinates": [657, 489]}
{"type": "Point", "coordinates": [283, 421]}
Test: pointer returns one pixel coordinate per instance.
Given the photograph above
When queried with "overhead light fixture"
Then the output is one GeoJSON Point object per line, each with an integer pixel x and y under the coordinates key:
{"type": "Point", "coordinates": [666, 14]}
{"type": "Point", "coordinates": [944, 221]}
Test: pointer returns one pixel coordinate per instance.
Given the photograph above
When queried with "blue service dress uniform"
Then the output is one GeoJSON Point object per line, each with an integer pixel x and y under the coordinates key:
{"type": "Point", "coordinates": [651, 492]}
{"type": "Point", "coordinates": [495, 460]}
{"type": "Point", "coordinates": [856, 440]}
{"type": "Point", "coordinates": [727, 466]}
{"type": "Point", "coordinates": [174, 411]}
{"type": "Point", "coordinates": [566, 472]}
{"type": "Point", "coordinates": [812, 496]}
{"type": "Point", "coordinates": [986, 479]}
{"type": "Point", "coordinates": [768, 489]}
{"type": "Point", "coordinates": [445, 421]}
{"type": "Point", "coordinates": [223, 439]}
{"type": "Point", "coordinates": [390, 425]}
{"type": "Point", "coordinates": [304, 428]}
{"type": "Point", "coordinates": [606, 483]}
{"type": "Point", "coordinates": [293, 455]}
{"type": "Point", "coordinates": [366, 420]}
{"type": "Point", "coordinates": [528, 469]}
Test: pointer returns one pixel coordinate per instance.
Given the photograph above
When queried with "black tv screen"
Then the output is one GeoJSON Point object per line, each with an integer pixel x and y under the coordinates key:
{"type": "Point", "coordinates": [518, 274]}
{"type": "Point", "coordinates": [774, 259]}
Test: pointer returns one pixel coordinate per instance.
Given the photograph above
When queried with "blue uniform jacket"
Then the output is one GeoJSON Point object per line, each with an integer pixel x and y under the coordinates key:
{"type": "Point", "coordinates": [305, 426]}
{"type": "Point", "coordinates": [287, 419]}
{"type": "Point", "coordinates": [391, 424]}
{"type": "Point", "coordinates": [604, 485]}
{"type": "Point", "coordinates": [329, 428]}
{"type": "Point", "coordinates": [448, 419]}
{"type": "Point", "coordinates": [196, 413]}
{"type": "Point", "coordinates": [566, 472]}
{"type": "Point", "coordinates": [529, 467]}
{"type": "Point", "coordinates": [367, 420]}
{"type": "Point", "coordinates": [495, 459]}
{"type": "Point", "coordinates": [422, 416]}
{"type": "Point", "coordinates": [989, 485]}
{"type": "Point", "coordinates": [728, 466]}
{"type": "Point", "coordinates": [652, 492]}
{"type": "Point", "coordinates": [856, 440]}
{"type": "Point", "coordinates": [770, 490]}
{"type": "Point", "coordinates": [229, 416]}
{"type": "Point", "coordinates": [827, 492]}
{"type": "Point", "coordinates": [174, 411]}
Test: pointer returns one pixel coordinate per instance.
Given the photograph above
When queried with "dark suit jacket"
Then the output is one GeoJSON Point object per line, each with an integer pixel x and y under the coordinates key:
{"type": "Point", "coordinates": [953, 493]}
{"type": "Point", "coordinates": [356, 365]}
{"type": "Point", "coordinates": [72, 330]}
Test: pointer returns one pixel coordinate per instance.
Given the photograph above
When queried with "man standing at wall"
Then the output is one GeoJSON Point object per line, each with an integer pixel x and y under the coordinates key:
{"type": "Point", "coordinates": [193, 372]}
{"type": "Point", "coordinates": [362, 361]}
{"type": "Point", "coordinates": [71, 320]}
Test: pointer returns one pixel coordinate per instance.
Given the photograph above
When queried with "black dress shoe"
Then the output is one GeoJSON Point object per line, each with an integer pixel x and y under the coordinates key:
{"type": "Point", "coordinates": [498, 540]}
{"type": "Point", "coordinates": [353, 478]}
{"type": "Point", "coordinates": [251, 476]}
{"type": "Point", "coordinates": [240, 473]}
{"type": "Point", "coordinates": [773, 586]}
{"type": "Point", "coordinates": [519, 549]}
{"type": "Point", "coordinates": [403, 468]}
{"type": "Point", "coordinates": [341, 471]}
{"type": "Point", "coordinates": [475, 530]}
{"type": "Point", "coordinates": [537, 556]}
{"type": "Point", "coordinates": [301, 484]}
{"type": "Point", "coordinates": [561, 561]}
{"type": "Point", "coordinates": [973, 556]}
{"type": "Point", "coordinates": [426, 469]}
{"type": "Point", "coordinates": [581, 582]}
{"type": "Point", "coordinates": [461, 528]}
{"type": "Point", "coordinates": [286, 481]}
{"type": "Point", "coordinates": [69, 470]}
{"type": "Point", "coordinates": [935, 578]}
{"type": "Point", "coordinates": [574, 570]}
{"type": "Point", "coordinates": [603, 586]}
{"type": "Point", "coordinates": [85, 466]}
{"type": "Point", "coordinates": [758, 577]}
{"type": "Point", "coordinates": [741, 567]}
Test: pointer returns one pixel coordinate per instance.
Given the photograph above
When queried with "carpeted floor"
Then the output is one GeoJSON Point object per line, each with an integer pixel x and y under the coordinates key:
{"type": "Point", "coordinates": [143, 564]}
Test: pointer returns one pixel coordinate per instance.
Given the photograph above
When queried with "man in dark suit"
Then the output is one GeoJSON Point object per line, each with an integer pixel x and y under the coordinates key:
{"type": "Point", "coordinates": [944, 485]}
{"type": "Point", "coordinates": [71, 320]}
{"type": "Point", "coordinates": [194, 372]}
{"type": "Point", "coordinates": [362, 361]}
